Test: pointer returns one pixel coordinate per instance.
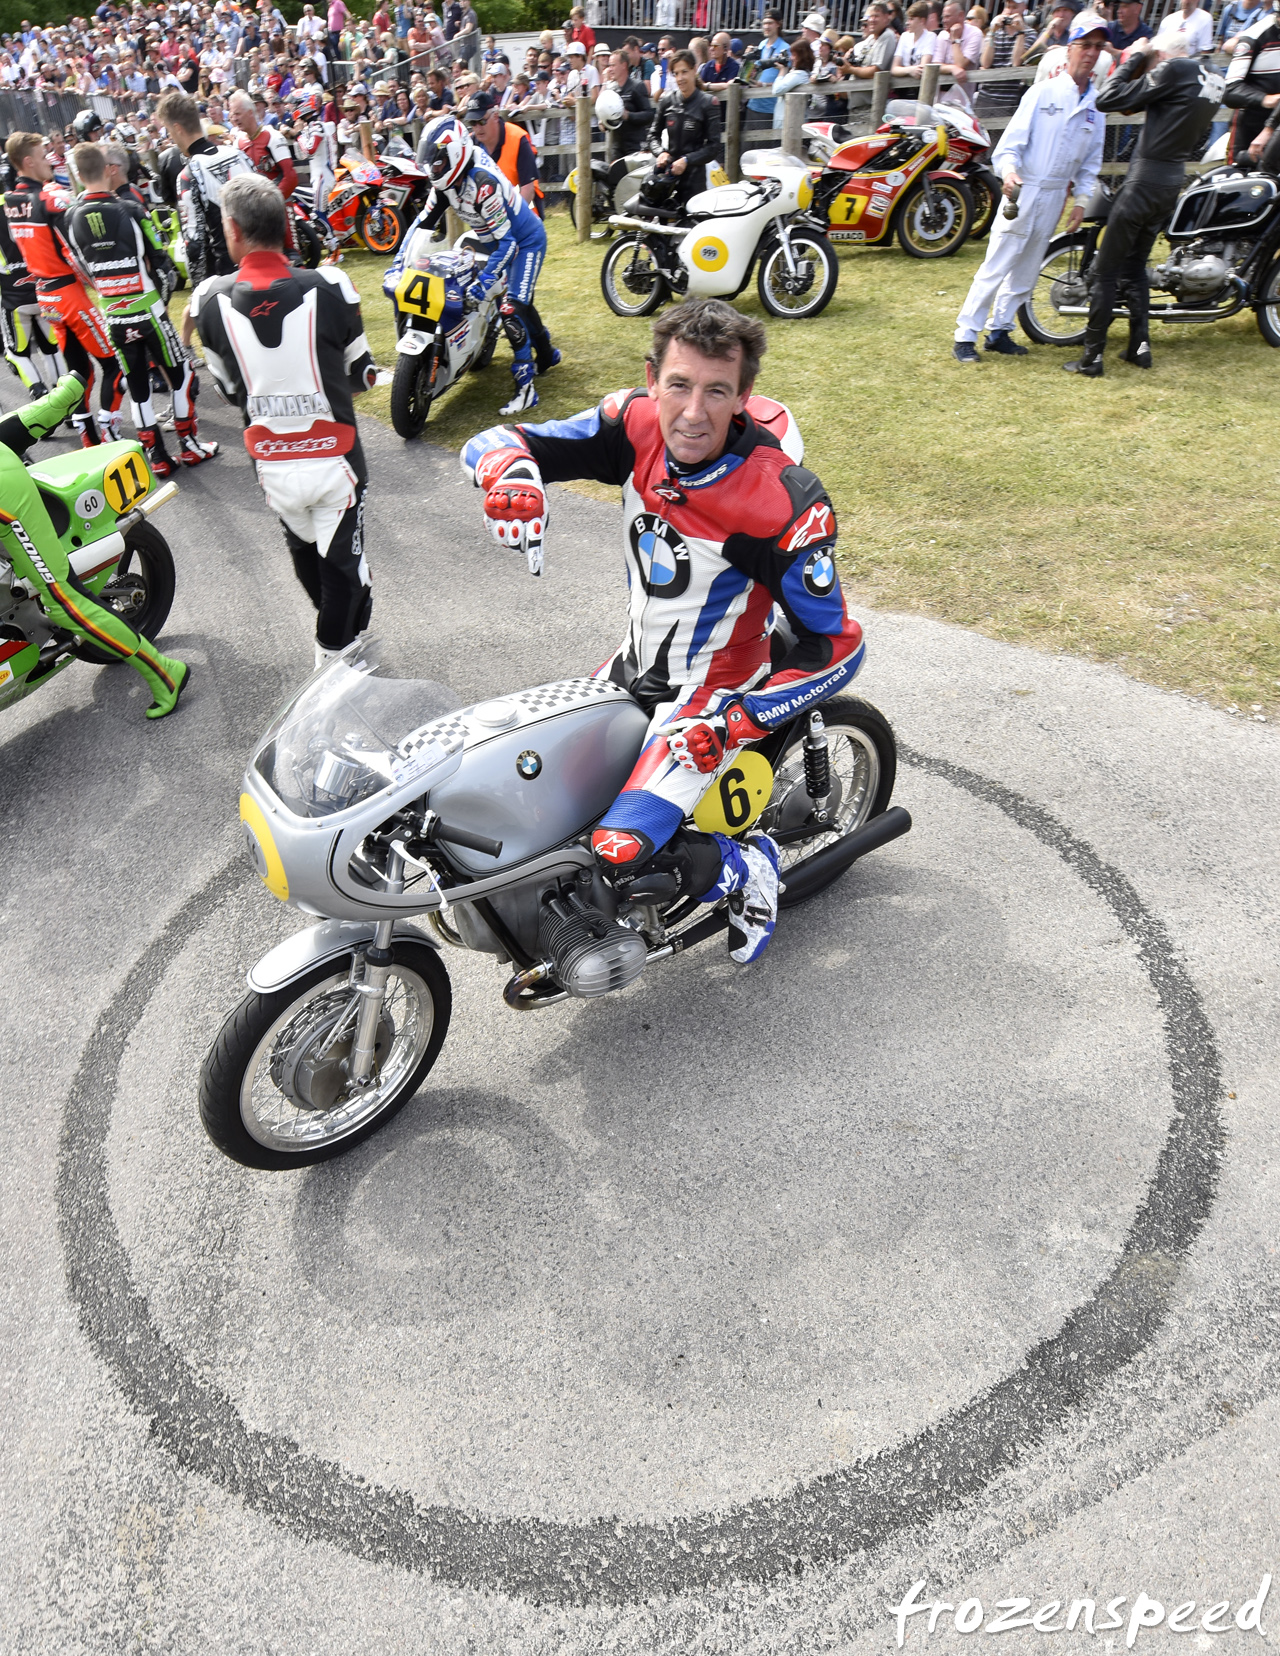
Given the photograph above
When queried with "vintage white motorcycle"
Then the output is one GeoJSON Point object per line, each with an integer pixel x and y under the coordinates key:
{"type": "Point", "coordinates": [366, 806]}
{"type": "Point", "coordinates": [710, 249]}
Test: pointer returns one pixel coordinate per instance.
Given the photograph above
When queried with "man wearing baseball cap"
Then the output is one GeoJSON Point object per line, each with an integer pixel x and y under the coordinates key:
{"type": "Point", "coordinates": [506, 144]}
{"type": "Point", "coordinates": [1051, 148]}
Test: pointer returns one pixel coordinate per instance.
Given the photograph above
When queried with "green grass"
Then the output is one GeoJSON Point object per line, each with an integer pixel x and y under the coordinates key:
{"type": "Point", "coordinates": [1128, 519]}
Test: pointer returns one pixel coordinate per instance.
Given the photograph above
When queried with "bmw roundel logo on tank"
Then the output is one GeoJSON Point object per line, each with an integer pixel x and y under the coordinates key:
{"type": "Point", "coordinates": [819, 572]}
{"type": "Point", "coordinates": [661, 556]}
{"type": "Point", "coordinates": [529, 764]}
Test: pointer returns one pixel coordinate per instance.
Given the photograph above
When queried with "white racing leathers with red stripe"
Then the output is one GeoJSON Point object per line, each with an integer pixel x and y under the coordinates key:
{"type": "Point", "coordinates": [289, 347]}
{"type": "Point", "coordinates": [733, 586]}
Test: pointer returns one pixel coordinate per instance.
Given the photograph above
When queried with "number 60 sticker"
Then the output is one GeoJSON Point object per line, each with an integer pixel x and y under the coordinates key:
{"type": "Point", "coordinates": [737, 796]}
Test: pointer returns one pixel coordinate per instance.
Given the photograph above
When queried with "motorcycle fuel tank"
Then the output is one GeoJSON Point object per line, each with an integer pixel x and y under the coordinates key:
{"type": "Point", "coordinates": [539, 767]}
{"type": "Point", "coordinates": [1227, 205]}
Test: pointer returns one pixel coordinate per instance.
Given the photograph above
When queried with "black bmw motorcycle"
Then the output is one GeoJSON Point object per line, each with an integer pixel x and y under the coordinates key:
{"type": "Point", "coordinates": [1224, 257]}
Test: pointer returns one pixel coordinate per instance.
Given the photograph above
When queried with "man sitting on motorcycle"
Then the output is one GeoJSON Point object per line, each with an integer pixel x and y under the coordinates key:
{"type": "Point", "coordinates": [465, 178]}
{"type": "Point", "coordinates": [737, 618]}
{"type": "Point", "coordinates": [30, 543]}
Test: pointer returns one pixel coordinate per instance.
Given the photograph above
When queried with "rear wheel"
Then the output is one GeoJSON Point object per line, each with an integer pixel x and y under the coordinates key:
{"type": "Point", "coordinates": [273, 1089]}
{"type": "Point", "coordinates": [1268, 311]}
{"type": "Point", "coordinates": [631, 278]}
{"type": "Point", "coordinates": [412, 389]}
{"type": "Point", "coordinates": [140, 592]}
{"type": "Point", "coordinates": [806, 292]}
{"type": "Point", "coordinates": [484, 356]}
{"type": "Point", "coordinates": [1062, 281]}
{"type": "Point", "coordinates": [309, 244]}
{"type": "Point", "coordinates": [935, 225]}
{"type": "Point", "coordinates": [863, 757]}
{"type": "Point", "coordinates": [380, 227]}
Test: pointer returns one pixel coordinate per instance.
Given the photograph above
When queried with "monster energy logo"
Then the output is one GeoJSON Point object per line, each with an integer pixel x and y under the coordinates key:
{"type": "Point", "coordinates": [97, 226]}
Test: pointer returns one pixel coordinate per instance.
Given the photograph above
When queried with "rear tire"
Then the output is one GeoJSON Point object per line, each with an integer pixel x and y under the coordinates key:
{"type": "Point", "coordinates": [815, 260]}
{"type": "Point", "coordinates": [412, 390]}
{"type": "Point", "coordinates": [939, 238]}
{"type": "Point", "coordinates": [309, 243]}
{"type": "Point", "coordinates": [140, 592]}
{"type": "Point", "coordinates": [985, 202]}
{"type": "Point", "coordinates": [630, 259]}
{"type": "Point", "coordinates": [249, 1115]}
{"type": "Point", "coordinates": [1268, 311]}
{"type": "Point", "coordinates": [864, 761]}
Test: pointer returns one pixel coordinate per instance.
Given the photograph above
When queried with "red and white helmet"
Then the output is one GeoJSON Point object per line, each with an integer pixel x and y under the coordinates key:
{"type": "Point", "coordinates": [448, 155]}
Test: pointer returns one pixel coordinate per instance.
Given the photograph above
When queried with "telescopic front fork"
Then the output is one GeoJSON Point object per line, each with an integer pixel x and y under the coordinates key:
{"type": "Point", "coordinates": [373, 989]}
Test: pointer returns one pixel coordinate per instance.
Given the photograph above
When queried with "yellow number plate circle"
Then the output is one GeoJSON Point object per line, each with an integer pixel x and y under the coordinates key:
{"type": "Point", "coordinates": [262, 848]}
{"type": "Point", "coordinates": [737, 796]}
{"type": "Point", "coordinates": [125, 481]}
{"type": "Point", "coordinates": [420, 294]}
{"type": "Point", "coordinates": [710, 253]}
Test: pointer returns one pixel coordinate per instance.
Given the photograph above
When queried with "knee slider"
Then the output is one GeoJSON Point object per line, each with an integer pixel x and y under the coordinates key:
{"type": "Point", "coordinates": [513, 323]}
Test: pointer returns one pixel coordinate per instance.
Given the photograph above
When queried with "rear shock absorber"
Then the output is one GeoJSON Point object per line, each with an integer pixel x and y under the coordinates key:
{"type": "Point", "coordinates": [817, 766]}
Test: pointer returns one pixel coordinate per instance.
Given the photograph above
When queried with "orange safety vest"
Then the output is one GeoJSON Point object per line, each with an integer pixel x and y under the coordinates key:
{"type": "Point", "coordinates": [508, 151]}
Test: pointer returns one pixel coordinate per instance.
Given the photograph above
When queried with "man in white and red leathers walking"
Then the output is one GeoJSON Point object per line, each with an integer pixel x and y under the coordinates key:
{"type": "Point", "coordinates": [1051, 148]}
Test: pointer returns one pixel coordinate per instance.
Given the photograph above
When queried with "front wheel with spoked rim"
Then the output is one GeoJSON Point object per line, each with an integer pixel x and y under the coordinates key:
{"type": "Point", "coordinates": [631, 278]}
{"type": "Point", "coordinates": [274, 1091]}
{"type": "Point", "coordinates": [863, 758]}
{"type": "Point", "coordinates": [1063, 280]}
{"type": "Point", "coordinates": [806, 290]}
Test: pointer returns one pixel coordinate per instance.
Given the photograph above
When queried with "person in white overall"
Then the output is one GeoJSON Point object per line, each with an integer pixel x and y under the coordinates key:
{"type": "Point", "coordinates": [1051, 148]}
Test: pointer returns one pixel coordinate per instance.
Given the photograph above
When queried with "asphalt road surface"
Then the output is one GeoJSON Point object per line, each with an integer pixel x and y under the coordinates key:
{"type": "Point", "coordinates": [709, 1317]}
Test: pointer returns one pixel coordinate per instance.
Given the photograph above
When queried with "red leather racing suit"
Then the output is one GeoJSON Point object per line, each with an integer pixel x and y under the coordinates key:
{"type": "Point", "coordinates": [733, 585]}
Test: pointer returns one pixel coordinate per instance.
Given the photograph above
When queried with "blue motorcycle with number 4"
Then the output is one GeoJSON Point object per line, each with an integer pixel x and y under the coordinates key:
{"type": "Point", "coordinates": [440, 332]}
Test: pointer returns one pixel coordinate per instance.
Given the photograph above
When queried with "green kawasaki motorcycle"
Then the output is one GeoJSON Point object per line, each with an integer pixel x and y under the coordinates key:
{"type": "Point", "coordinates": [99, 503]}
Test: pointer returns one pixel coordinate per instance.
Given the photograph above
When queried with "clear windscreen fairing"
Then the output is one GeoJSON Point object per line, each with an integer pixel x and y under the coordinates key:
{"type": "Point", "coordinates": [352, 731]}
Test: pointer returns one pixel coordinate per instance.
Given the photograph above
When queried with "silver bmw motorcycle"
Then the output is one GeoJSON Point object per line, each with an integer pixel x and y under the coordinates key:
{"type": "Point", "coordinates": [368, 808]}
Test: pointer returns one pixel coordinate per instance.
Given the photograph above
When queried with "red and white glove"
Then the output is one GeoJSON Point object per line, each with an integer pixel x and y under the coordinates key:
{"type": "Point", "coordinates": [701, 744]}
{"type": "Point", "coordinates": [515, 502]}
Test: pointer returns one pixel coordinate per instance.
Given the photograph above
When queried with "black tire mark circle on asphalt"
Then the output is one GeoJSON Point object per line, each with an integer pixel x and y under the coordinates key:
{"type": "Point", "coordinates": [833, 1517]}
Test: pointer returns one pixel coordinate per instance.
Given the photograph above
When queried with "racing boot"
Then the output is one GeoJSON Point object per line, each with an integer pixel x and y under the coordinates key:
{"type": "Point", "coordinates": [191, 451]}
{"type": "Point", "coordinates": [547, 363]}
{"type": "Point", "coordinates": [86, 430]}
{"type": "Point", "coordinates": [157, 455]}
{"type": "Point", "coordinates": [110, 425]}
{"type": "Point", "coordinates": [522, 371]}
{"type": "Point", "coordinates": [749, 879]}
{"type": "Point", "coordinates": [166, 677]}
{"type": "Point", "coordinates": [1090, 364]}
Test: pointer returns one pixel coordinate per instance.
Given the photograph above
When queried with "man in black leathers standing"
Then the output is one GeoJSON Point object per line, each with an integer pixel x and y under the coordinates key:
{"type": "Point", "coordinates": [1180, 99]}
{"type": "Point", "coordinates": [690, 120]}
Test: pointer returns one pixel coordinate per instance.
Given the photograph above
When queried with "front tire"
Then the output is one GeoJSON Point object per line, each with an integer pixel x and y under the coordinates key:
{"type": "Point", "coordinates": [271, 1088]}
{"type": "Point", "coordinates": [1268, 311]}
{"type": "Point", "coordinates": [380, 227]}
{"type": "Point", "coordinates": [412, 391]}
{"type": "Point", "coordinates": [631, 278]}
{"type": "Point", "coordinates": [1062, 280]}
{"type": "Point", "coordinates": [140, 592]}
{"type": "Point", "coordinates": [864, 763]}
{"type": "Point", "coordinates": [985, 202]}
{"type": "Point", "coordinates": [809, 292]}
{"type": "Point", "coordinates": [937, 231]}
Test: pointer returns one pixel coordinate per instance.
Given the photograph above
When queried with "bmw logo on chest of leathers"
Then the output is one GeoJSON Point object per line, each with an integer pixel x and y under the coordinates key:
{"type": "Point", "coordinates": [529, 764]}
{"type": "Point", "coordinates": [661, 556]}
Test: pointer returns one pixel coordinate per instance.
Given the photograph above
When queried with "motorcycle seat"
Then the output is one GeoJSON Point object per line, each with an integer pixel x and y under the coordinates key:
{"type": "Point", "coordinates": [660, 215]}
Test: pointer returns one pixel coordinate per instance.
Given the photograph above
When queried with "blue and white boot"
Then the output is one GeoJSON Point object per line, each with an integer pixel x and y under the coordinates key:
{"type": "Point", "coordinates": [526, 392]}
{"type": "Point", "coordinates": [749, 880]}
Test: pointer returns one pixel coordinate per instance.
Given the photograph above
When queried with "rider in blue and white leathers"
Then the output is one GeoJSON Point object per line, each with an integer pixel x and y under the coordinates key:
{"type": "Point", "coordinates": [465, 179]}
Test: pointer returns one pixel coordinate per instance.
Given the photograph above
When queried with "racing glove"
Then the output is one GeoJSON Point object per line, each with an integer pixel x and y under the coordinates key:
{"type": "Point", "coordinates": [515, 502]}
{"type": "Point", "coordinates": [701, 744]}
